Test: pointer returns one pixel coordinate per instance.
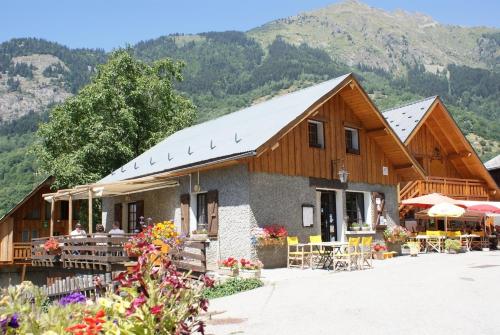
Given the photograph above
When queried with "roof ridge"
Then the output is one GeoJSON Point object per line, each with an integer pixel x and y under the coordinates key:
{"type": "Point", "coordinates": [410, 103]}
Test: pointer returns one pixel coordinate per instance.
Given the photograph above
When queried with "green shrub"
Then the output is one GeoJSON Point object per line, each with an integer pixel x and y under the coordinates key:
{"type": "Point", "coordinates": [232, 286]}
{"type": "Point", "coordinates": [451, 244]}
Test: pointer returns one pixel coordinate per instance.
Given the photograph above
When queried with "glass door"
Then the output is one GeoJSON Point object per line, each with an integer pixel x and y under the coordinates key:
{"type": "Point", "coordinates": [329, 231]}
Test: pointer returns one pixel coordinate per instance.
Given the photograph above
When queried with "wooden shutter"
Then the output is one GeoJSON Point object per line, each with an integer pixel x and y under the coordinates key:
{"type": "Point", "coordinates": [118, 213]}
{"type": "Point", "coordinates": [139, 212]}
{"type": "Point", "coordinates": [213, 213]}
{"type": "Point", "coordinates": [185, 214]}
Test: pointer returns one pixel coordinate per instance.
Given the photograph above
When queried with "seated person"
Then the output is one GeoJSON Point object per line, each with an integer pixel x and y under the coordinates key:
{"type": "Point", "coordinates": [116, 230]}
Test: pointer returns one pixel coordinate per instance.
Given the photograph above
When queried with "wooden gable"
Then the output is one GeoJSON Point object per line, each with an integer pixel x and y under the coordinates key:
{"type": "Point", "coordinates": [348, 107]}
{"type": "Point", "coordinates": [443, 150]}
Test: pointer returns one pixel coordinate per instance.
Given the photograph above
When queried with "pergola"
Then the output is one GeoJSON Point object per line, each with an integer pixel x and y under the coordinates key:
{"type": "Point", "coordinates": [93, 191]}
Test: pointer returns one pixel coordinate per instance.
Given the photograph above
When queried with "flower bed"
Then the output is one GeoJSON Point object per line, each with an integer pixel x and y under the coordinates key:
{"type": "Point", "coordinates": [153, 298]}
{"type": "Point", "coordinates": [231, 286]}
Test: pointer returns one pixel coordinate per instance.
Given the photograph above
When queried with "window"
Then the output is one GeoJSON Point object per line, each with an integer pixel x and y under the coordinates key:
{"type": "Point", "coordinates": [316, 134]}
{"type": "Point", "coordinates": [355, 207]}
{"type": "Point", "coordinates": [33, 214]}
{"type": "Point", "coordinates": [132, 216]}
{"type": "Point", "coordinates": [352, 141]}
{"type": "Point", "coordinates": [47, 210]}
{"type": "Point", "coordinates": [201, 211]}
{"type": "Point", "coordinates": [64, 210]}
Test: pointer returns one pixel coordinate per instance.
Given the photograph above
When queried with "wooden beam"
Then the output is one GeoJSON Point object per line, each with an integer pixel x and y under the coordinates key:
{"type": "Point", "coordinates": [378, 132]}
{"type": "Point", "coordinates": [52, 210]}
{"type": "Point", "coordinates": [70, 214]}
{"type": "Point", "coordinates": [90, 211]}
{"type": "Point", "coordinates": [400, 168]}
{"type": "Point", "coordinates": [459, 155]}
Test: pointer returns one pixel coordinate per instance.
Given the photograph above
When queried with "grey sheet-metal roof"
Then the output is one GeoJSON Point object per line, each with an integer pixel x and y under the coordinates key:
{"type": "Point", "coordinates": [233, 134]}
{"type": "Point", "coordinates": [493, 163]}
{"type": "Point", "coordinates": [404, 119]}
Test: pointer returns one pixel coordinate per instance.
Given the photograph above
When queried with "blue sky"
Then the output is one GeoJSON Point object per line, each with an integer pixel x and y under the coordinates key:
{"type": "Point", "coordinates": [113, 23]}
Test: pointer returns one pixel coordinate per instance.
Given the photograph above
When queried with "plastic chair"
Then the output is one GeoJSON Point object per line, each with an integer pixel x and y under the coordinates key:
{"type": "Point", "coordinates": [317, 251]}
{"type": "Point", "coordinates": [348, 256]}
{"type": "Point", "coordinates": [366, 252]}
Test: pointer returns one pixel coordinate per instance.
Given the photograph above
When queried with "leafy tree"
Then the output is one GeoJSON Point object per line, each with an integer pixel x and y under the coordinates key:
{"type": "Point", "coordinates": [128, 107]}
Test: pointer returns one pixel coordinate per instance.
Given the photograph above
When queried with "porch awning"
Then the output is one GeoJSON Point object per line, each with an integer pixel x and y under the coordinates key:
{"type": "Point", "coordinates": [110, 189]}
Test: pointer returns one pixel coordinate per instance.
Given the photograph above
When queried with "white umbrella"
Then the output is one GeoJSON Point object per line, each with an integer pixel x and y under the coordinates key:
{"type": "Point", "coordinates": [446, 210]}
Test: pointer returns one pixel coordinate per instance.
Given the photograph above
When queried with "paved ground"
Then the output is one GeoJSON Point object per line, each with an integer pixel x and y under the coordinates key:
{"type": "Point", "coordinates": [431, 294]}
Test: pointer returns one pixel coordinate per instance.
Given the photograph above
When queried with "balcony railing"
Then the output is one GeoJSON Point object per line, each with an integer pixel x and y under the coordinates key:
{"type": "Point", "coordinates": [21, 252]}
{"type": "Point", "coordinates": [463, 189]}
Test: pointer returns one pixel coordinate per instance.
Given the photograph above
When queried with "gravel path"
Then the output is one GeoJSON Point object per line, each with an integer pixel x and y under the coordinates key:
{"type": "Point", "coordinates": [431, 294]}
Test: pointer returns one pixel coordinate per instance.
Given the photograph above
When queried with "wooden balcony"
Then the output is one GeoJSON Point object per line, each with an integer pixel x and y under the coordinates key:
{"type": "Point", "coordinates": [462, 189]}
{"type": "Point", "coordinates": [105, 252]}
{"type": "Point", "coordinates": [21, 253]}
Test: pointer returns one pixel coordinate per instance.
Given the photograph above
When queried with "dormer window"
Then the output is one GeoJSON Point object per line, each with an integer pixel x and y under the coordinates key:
{"type": "Point", "coordinates": [316, 134]}
{"type": "Point", "coordinates": [352, 141]}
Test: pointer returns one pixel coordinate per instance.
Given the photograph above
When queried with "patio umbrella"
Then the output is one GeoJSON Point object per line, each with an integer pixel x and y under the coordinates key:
{"type": "Point", "coordinates": [446, 210]}
{"type": "Point", "coordinates": [429, 200]}
{"type": "Point", "coordinates": [485, 208]}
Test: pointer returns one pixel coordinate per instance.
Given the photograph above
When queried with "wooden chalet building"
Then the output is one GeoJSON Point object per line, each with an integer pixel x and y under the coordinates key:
{"type": "Point", "coordinates": [493, 166]}
{"type": "Point", "coordinates": [451, 165]}
{"type": "Point", "coordinates": [316, 161]}
{"type": "Point", "coordinates": [30, 218]}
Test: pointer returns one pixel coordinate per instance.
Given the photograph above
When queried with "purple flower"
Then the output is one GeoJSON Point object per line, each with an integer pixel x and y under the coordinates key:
{"type": "Point", "coordinates": [3, 324]}
{"type": "Point", "coordinates": [73, 298]}
{"type": "Point", "coordinates": [14, 322]}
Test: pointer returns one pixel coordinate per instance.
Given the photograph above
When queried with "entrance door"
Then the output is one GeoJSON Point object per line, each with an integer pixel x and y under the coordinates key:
{"type": "Point", "coordinates": [329, 229]}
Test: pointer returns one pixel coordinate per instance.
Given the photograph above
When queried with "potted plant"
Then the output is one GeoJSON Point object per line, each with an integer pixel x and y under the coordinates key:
{"type": "Point", "coordinates": [414, 248]}
{"type": "Point", "coordinates": [249, 269]}
{"type": "Point", "coordinates": [229, 267]}
{"type": "Point", "coordinates": [365, 227]}
{"type": "Point", "coordinates": [355, 226]}
{"type": "Point", "coordinates": [199, 235]}
{"type": "Point", "coordinates": [378, 251]}
{"type": "Point", "coordinates": [394, 237]}
{"type": "Point", "coordinates": [270, 243]}
{"type": "Point", "coordinates": [452, 246]}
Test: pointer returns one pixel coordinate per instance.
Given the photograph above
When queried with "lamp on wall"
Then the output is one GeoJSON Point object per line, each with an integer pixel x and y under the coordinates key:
{"type": "Point", "coordinates": [343, 174]}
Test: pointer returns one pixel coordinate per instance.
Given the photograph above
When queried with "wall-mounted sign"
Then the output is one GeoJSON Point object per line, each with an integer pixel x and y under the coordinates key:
{"type": "Point", "coordinates": [307, 215]}
{"type": "Point", "coordinates": [385, 171]}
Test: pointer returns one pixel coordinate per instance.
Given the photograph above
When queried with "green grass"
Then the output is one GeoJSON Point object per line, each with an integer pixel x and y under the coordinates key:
{"type": "Point", "coordinates": [232, 286]}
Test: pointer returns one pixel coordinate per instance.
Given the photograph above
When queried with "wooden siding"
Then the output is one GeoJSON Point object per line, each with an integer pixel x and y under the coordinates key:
{"type": "Point", "coordinates": [292, 155]}
{"type": "Point", "coordinates": [422, 146]}
{"type": "Point", "coordinates": [6, 236]}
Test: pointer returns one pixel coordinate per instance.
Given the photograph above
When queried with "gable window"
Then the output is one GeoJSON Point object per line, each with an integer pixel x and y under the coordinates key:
{"type": "Point", "coordinates": [201, 211]}
{"type": "Point", "coordinates": [352, 141]}
{"type": "Point", "coordinates": [316, 134]}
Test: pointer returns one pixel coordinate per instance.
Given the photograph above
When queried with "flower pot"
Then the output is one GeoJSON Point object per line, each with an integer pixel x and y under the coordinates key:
{"type": "Point", "coordinates": [249, 274]}
{"type": "Point", "coordinates": [355, 228]}
{"type": "Point", "coordinates": [365, 228]}
{"type": "Point", "coordinates": [229, 272]}
{"type": "Point", "coordinates": [378, 255]}
{"type": "Point", "coordinates": [199, 237]}
{"type": "Point", "coordinates": [394, 247]}
{"type": "Point", "coordinates": [272, 256]}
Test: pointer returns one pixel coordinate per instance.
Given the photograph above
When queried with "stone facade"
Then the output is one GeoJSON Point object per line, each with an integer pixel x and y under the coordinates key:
{"type": "Point", "coordinates": [247, 200]}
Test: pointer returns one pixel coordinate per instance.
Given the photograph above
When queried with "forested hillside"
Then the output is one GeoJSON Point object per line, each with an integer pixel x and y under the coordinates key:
{"type": "Point", "coordinates": [229, 70]}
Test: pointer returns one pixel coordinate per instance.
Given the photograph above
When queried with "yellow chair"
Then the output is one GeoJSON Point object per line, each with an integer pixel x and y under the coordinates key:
{"type": "Point", "coordinates": [348, 256]}
{"type": "Point", "coordinates": [316, 251]}
{"type": "Point", "coordinates": [453, 234]}
{"type": "Point", "coordinates": [366, 252]}
{"type": "Point", "coordinates": [315, 239]}
{"type": "Point", "coordinates": [480, 241]}
{"type": "Point", "coordinates": [434, 241]}
{"type": "Point", "coordinates": [297, 256]}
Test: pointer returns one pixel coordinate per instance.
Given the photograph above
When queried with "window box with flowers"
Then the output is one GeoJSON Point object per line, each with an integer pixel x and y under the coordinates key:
{"type": "Point", "coordinates": [199, 235]}
{"type": "Point", "coordinates": [250, 269]}
{"type": "Point", "coordinates": [229, 267]}
{"type": "Point", "coordinates": [272, 235]}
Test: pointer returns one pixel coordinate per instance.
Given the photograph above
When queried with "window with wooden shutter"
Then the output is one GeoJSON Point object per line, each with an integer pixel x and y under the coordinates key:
{"type": "Point", "coordinates": [213, 213]}
{"type": "Point", "coordinates": [185, 214]}
{"type": "Point", "coordinates": [118, 213]}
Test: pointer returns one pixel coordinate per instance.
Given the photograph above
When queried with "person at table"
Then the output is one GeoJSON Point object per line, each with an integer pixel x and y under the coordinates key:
{"type": "Point", "coordinates": [116, 230]}
{"type": "Point", "coordinates": [78, 232]}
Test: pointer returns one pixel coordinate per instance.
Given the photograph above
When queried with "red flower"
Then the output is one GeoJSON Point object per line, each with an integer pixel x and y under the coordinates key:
{"type": "Point", "coordinates": [156, 309]}
{"type": "Point", "coordinates": [91, 325]}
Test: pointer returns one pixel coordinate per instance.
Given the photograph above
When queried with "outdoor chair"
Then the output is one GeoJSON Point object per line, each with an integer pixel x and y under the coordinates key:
{"type": "Point", "coordinates": [297, 255]}
{"type": "Point", "coordinates": [479, 242]}
{"type": "Point", "coordinates": [434, 240]}
{"type": "Point", "coordinates": [348, 256]}
{"type": "Point", "coordinates": [366, 252]}
{"type": "Point", "coordinates": [317, 251]}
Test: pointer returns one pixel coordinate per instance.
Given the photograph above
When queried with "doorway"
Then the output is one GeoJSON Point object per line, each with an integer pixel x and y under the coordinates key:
{"type": "Point", "coordinates": [329, 227]}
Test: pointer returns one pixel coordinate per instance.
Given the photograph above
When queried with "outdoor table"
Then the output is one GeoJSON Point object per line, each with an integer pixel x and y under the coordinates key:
{"type": "Point", "coordinates": [326, 250]}
{"type": "Point", "coordinates": [426, 238]}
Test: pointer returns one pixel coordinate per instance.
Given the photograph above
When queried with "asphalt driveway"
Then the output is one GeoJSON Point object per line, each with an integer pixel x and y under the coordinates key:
{"type": "Point", "coordinates": [431, 294]}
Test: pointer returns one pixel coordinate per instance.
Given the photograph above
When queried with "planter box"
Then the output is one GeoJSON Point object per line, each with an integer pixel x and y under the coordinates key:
{"type": "Point", "coordinates": [272, 256]}
{"type": "Point", "coordinates": [378, 255]}
{"type": "Point", "coordinates": [199, 237]}
{"type": "Point", "coordinates": [229, 272]}
{"type": "Point", "coordinates": [396, 247]}
{"type": "Point", "coordinates": [249, 274]}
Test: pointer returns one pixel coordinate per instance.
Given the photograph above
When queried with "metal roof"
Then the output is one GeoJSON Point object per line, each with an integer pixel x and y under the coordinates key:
{"type": "Point", "coordinates": [404, 119]}
{"type": "Point", "coordinates": [241, 132]}
{"type": "Point", "coordinates": [493, 163]}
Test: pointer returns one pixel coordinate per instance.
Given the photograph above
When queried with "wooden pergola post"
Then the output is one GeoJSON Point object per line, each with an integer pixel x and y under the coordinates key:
{"type": "Point", "coordinates": [90, 211]}
{"type": "Point", "coordinates": [70, 214]}
{"type": "Point", "coordinates": [52, 210]}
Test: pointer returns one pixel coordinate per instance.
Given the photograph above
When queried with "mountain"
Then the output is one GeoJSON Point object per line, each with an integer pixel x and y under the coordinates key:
{"type": "Point", "coordinates": [398, 57]}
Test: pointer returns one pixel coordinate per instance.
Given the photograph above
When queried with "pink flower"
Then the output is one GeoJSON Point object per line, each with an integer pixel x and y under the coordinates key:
{"type": "Point", "coordinates": [156, 309]}
{"type": "Point", "coordinates": [139, 301]}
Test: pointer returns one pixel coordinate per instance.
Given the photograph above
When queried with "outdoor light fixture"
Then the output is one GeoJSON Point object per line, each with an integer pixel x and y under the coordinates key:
{"type": "Point", "coordinates": [343, 174]}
